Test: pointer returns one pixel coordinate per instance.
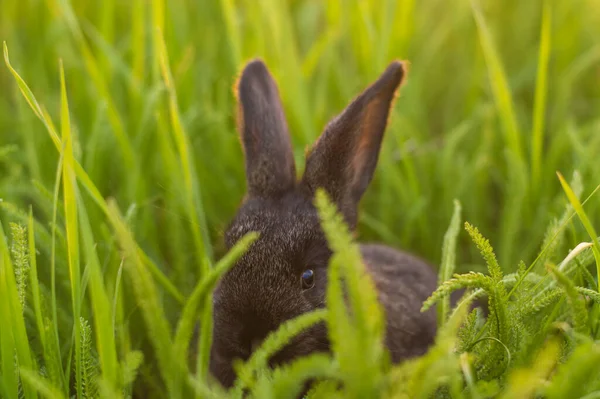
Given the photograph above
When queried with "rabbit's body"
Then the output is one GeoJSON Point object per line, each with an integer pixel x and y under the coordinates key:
{"type": "Point", "coordinates": [284, 273]}
{"type": "Point", "coordinates": [403, 283]}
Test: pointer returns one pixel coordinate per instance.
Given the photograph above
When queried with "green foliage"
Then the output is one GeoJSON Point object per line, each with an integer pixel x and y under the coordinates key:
{"type": "Point", "coordinates": [360, 324]}
{"type": "Point", "coordinates": [20, 252]}
{"type": "Point", "coordinates": [584, 220]}
{"type": "Point", "coordinates": [440, 361]}
{"type": "Point", "coordinates": [486, 251]}
{"type": "Point", "coordinates": [258, 362]}
{"type": "Point", "coordinates": [501, 346]}
{"type": "Point", "coordinates": [576, 302]}
{"type": "Point", "coordinates": [120, 167]}
{"type": "Point", "coordinates": [288, 381]}
{"type": "Point", "coordinates": [131, 365]}
{"type": "Point", "coordinates": [578, 375]}
{"type": "Point", "coordinates": [525, 382]}
{"type": "Point", "coordinates": [448, 259]}
{"type": "Point", "coordinates": [89, 367]}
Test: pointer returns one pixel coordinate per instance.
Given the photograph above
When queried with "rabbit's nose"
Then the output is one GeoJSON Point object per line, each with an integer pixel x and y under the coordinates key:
{"type": "Point", "coordinates": [256, 343]}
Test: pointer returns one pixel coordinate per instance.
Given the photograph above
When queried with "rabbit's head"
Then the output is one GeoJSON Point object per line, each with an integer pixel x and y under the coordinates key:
{"type": "Point", "coordinates": [284, 273]}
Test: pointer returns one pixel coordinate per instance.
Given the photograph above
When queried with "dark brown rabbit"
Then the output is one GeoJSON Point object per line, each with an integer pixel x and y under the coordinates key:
{"type": "Point", "coordinates": [284, 274]}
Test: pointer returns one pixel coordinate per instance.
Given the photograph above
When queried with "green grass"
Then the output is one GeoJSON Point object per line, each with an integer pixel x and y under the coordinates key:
{"type": "Point", "coordinates": [120, 167]}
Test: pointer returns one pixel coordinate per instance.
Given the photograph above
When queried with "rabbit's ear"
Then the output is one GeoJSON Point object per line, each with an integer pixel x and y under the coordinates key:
{"type": "Point", "coordinates": [343, 160]}
{"type": "Point", "coordinates": [270, 168]}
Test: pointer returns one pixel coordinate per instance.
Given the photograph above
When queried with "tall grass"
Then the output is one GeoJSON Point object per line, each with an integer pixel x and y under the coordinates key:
{"type": "Point", "coordinates": [120, 167]}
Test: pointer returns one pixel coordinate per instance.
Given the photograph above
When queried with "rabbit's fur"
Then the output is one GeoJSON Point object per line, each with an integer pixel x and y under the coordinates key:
{"type": "Point", "coordinates": [264, 288]}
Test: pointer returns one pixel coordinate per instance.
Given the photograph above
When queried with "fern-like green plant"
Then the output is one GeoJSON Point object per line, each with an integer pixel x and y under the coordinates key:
{"type": "Point", "coordinates": [576, 302]}
{"type": "Point", "coordinates": [257, 365]}
{"type": "Point", "coordinates": [325, 390]}
{"type": "Point", "coordinates": [591, 294]}
{"type": "Point", "coordinates": [361, 324]}
{"type": "Point", "coordinates": [468, 332]}
{"type": "Point", "coordinates": [486, 250]}
{"type": "Point", "coordinates": [494, 351]}
{"type": "Point", "coordinates": [89, 365]}
{"type": "Point", "coordinates": [548, 298]}
{"type": "Point", "coordinates": [20, 253]}
{"type": "Point", "coordinates": [289, 380]}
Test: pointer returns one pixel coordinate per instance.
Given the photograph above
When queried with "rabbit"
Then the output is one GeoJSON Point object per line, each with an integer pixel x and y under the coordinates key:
{"type": "Point", "coordinates": [284, 273]}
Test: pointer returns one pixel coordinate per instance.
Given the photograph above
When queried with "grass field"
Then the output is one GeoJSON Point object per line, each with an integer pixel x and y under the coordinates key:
{"type": "Point", "coordinates": [120, 167]}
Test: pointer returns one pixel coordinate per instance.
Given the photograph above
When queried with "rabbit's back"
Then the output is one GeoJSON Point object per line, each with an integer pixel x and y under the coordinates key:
{"type": "Point", "coordinates": [403, 282]}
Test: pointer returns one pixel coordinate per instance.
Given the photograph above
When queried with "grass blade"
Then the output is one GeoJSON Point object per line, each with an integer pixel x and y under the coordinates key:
{"type": "Point", "coordinates": [99, 80]}
{"type": "Point", "coordinates": [35, 285]}
{"type": "Point", "coordinates": [573, 376]}
{"type": "Point", "coordinates": [82, 175]}
{"type": "Point", "coordinates": [42, 386]}
{"type": "Point", "coordinates": [448, 260]}
{"type": "Point", "coordinates": [193, 197]}
{"type": "Point", "coordinates": [198, 297]}
{"type": "Point", "coordinates": [523, 383]}
{"type": "Point", "coordinates": [72, 229]}
{"type": "Point", "coordinates": [499, 84]}
{"type": "Point", "coordinates": [540, 94]}
{"type": "Point", "coordinates": [229, 15]}
{"type": "Point", "coordinates": [10, 380]}
{"type": "Point", "coordinates": [54, 349]}
{"type": "Point", "coordinates": [15, 338]}
{"type": "Point", "coordinates": [584, 220]}
{"type": "Point", "coordinates": [105, 337]}
{"type": "Point", "coordinates": [148, 299]}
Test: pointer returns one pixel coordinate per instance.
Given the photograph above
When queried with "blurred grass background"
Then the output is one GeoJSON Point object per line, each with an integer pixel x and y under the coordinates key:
{"type": "Point", "coordinates": [494, 105]}
{"type": "Point", "coordinates": [445, 141]}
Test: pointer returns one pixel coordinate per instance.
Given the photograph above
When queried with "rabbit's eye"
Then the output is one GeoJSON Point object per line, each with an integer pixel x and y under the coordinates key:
{"type": "Point", "coordinates": [308, 279]}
